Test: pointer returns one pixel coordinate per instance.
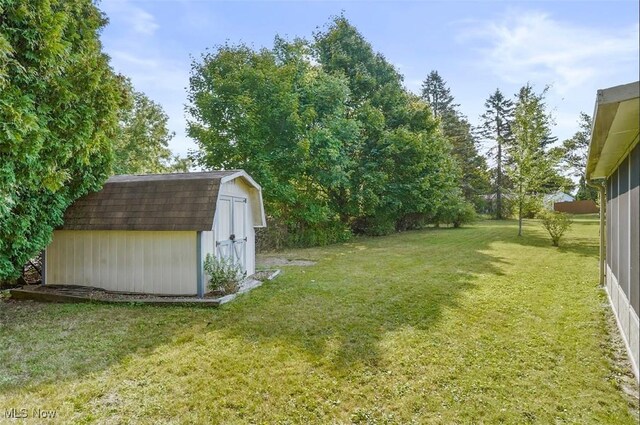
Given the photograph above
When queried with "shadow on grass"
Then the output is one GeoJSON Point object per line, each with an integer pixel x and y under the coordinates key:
{"type": "Point", "coordinates": [42, 343]}
{"type": "Point", "coordinates": [536, 235]}
{"type": "Point", "coordinates": [339, 310]}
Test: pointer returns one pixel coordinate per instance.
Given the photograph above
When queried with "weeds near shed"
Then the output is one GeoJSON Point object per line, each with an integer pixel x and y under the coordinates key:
{"type": "Point", "coordinates": [223, 275]}
{"type": "Point", "coordinates": [557, 224]}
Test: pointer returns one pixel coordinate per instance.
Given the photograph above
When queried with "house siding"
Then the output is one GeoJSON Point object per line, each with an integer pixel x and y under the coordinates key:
{"type": "Point", "coordinates": [623, 251]}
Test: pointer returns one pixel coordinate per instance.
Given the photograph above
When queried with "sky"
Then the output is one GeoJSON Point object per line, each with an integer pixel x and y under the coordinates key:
{"type": "Point", "coordinates": [576, 47]}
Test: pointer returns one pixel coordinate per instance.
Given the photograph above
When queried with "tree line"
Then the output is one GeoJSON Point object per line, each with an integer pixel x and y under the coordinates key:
{"type": "Point", "coordinates": [326, 125]}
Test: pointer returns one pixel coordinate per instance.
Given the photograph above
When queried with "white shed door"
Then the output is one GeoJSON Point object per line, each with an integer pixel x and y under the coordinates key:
{"type": "Point", "coordinates": [231, 234]}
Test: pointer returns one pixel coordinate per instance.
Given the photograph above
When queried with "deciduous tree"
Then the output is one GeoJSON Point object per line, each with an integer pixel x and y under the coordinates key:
{"type": "Point", "coordinates": [396, 128]}
{"type": "Point", "coordinates": [142, 144]}
{"type": "Point", "coordinates": [529, 165]}
{"type": "Point", "coordinates": [281, 118]}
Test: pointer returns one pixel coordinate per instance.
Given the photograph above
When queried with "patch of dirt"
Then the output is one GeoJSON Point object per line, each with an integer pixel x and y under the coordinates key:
{"type": "Point", "coordinates": [263, 275]}
{"type": "Point", "coordinates": [280, 261]}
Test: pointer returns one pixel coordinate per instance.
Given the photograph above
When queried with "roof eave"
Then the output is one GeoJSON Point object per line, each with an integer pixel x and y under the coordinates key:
{"type": "Point", "coordinates": [262, 219]}
{"type": "Point", "coordinates": [608, 113]}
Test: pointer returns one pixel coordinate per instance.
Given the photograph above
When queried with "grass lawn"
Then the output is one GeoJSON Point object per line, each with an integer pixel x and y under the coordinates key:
{"type": "Point", "coordinates": [471, 325]}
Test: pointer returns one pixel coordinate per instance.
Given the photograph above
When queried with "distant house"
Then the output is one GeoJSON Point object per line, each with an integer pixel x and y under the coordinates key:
{"type": "Point", "coordinates": [150, 234]}
{"type": "Point", "coordinates": [614, 166]}
{"type": "Point", "coordinates": [550, 199]}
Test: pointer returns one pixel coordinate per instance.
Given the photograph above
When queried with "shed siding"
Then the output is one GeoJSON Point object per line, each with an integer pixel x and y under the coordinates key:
{"type": "Point", "coordinates": [239, 188]}
{"type": "Point", "coordinates": [623, 251]}
{"type": "Point", "coordinates": [162, 262]}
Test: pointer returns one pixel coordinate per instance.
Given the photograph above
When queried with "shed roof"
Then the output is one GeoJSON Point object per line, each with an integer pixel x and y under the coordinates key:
{"type": "Point", "coordinates": [184, 201]}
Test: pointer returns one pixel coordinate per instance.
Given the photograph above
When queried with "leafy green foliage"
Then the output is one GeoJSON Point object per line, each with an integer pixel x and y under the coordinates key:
{"type": "Point", "coordinates": [328, 130]}
{"type": "Point", "coordinates": [457, 212]}
{"type": "Point", "coordinates": [223, 275]}
{"type": "Point", "coordinates": [274, 114]}
{"type": "Point", "coordinates": [556, 223]}
{"type": "Point", "coordinates": [142, 143]}
{"type": "Point", "coordinates": [59, 103]}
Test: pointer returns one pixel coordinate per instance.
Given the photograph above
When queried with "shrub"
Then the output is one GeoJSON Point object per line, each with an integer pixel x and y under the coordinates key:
{"type": "Point", "coordinates": [223, 275]}
{"type": "Point", "coordinates": [456, 212]}
{"type": "Point", "coordinates": [532, 207]}
{"type": "Point", "coordinates": [278, 234]}
{"type": "Point", "coordinates": [463, 214]}
{"type": "Point", "coordinates": [380, 224]}
{"type": "Point", "coordinates": [556, 224]}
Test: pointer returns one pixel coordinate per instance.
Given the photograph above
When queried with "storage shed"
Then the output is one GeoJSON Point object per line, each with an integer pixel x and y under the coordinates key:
{"type": "Point", "coordinates": [614, 166]}
{"type": "Point", "coordinates": [151, 233]}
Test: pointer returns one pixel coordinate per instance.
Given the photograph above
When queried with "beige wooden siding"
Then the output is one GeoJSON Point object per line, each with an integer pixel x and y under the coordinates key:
{"type": "Point", "coordinates": [161, 262]}
{"type": "Point", "coordinates": [238, 188]}
{"type": "Point", "coordinates": [208, 244]}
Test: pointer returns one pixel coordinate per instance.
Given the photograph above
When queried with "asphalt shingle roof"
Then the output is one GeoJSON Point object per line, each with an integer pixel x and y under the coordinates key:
{"type": "Point", "coordinates": [185, 201]}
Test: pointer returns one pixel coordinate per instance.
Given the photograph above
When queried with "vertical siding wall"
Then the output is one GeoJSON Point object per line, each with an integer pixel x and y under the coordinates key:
{"type": "Point", "coordinates": [239, 188]}
{"type": "Point", "coordinates": [162, 262]}
{"type": "Point", "coordinates": [623, 249]}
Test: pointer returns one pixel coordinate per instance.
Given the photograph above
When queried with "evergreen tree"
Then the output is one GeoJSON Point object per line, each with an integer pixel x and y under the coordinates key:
{"type": "Point", "coordinates": [473, 178]}
{"type": "Point", "coordinates": [436, 93]}
{"type": "Point", "coordinates": [575, 151]}
{"type": "Point", "coordinates": [59, 105]}
{"type": "Point", "coordinates": [496, 129]}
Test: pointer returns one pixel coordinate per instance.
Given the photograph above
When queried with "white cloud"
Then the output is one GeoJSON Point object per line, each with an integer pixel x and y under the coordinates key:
{"type": "Point", "coordinates": [139, 20]}
{"type": "Point", "coordinates": [143, 22]}
{"type": "Point", "coordinates": [532, 46]}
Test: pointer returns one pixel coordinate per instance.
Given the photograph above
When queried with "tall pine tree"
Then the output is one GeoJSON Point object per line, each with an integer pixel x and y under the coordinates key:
{"type": "Point", "coordinates": [496, 129]}
{"type": "Point", "coordinates": [436, 93]}
{"type": "Point", "coordinates": [473, 177]}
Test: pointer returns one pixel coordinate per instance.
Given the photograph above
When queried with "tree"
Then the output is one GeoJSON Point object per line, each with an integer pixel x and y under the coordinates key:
{"type": "Point", "coordinates": [496, 129]}
{"type": "Point", "coordinates": [329, 131]}
{"type": "Point", "coordinates": [181, 164]}
{"type": "Point", "coordinates": [384, 110]}
{"type": "Point", "coordinates": [59, 104]}
{"type": "Point", "coordinates": [473, 176]}
{"type": "Point", "coordinates": [436, 93]}
{"type": "Point", "coordinates": [281, 118]}
{"type": "Point", "coordinates": [142, 143]}
{"type": "Point", "coordinates": [529, 165]}
{"type": "Point", "coordinates": [575, 151]}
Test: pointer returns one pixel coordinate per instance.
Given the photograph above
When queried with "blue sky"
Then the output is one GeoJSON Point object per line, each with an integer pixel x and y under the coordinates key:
{"type": "Point", "coordinates": [477, 46]}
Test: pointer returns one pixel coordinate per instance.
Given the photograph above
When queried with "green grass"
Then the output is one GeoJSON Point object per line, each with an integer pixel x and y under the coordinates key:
{"type": "Point", "coordinates": [471, 325]}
